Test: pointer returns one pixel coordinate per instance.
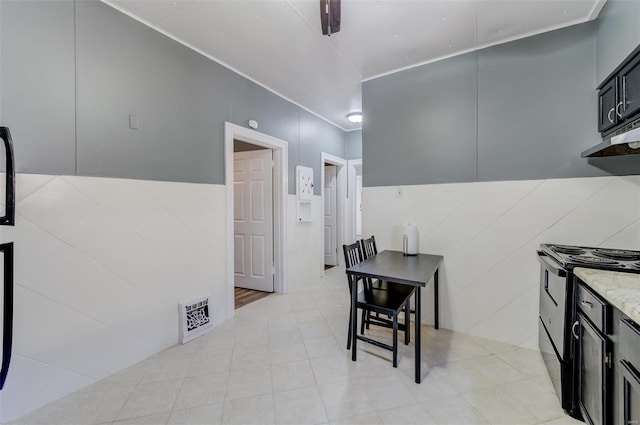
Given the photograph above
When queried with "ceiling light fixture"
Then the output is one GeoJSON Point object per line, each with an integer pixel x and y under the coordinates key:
{"type": "Point", "coordinates": [355, 117]}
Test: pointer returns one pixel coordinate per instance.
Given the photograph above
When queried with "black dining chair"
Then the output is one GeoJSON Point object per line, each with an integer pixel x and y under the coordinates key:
{"type": "Point", "coordinates": [390, 303]}
{"type": "Point", "coordinates": [369, 248]}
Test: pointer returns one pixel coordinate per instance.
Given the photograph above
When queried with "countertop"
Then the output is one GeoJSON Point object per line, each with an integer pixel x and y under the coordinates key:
{"type": "Point", "coordinates": [622, 290]}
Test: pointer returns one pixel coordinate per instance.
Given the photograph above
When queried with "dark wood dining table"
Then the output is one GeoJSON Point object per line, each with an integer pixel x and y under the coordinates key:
{"type": "Point", "coordinates": [394, 266]}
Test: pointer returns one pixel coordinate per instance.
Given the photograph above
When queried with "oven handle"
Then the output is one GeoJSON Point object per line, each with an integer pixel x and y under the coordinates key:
{"type": "Point", "coordinates": [7, 319]}
{"type": "Point", "coordinates": [8, 219]}
{"type": "Point", "coordinates": [551, 265]}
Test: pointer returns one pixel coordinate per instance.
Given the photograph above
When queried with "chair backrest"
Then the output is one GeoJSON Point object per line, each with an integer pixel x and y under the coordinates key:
{"type": "Point", "coordinates": [352, 254]}
{"type": "Point", "coordinates": [369, 248]}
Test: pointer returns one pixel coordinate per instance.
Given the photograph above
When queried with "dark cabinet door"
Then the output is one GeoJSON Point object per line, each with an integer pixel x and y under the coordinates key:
{"type": "Point", "coordinates": [630, 392]}
{"type": "Point", "coordinates": [607, 102]}
{"type": "Point", "coordinates": [629, 81]}
{"type": "Point", "coordinates": [594, 364]}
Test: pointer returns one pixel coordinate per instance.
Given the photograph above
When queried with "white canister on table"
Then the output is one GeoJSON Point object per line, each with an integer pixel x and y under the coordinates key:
{"type": "Point", "coordinates": [410, 240]}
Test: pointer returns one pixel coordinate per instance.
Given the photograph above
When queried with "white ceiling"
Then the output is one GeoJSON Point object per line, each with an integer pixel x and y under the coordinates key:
{"type": "Point", "coordinates": [279, 44]}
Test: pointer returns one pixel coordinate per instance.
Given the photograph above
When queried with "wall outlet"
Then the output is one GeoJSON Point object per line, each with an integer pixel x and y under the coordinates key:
{"type": "Point", "coordinates": [399, 192]}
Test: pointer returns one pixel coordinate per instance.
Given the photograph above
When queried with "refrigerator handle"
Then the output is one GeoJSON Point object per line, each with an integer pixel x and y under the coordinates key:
{"type": "Point", "coordinates": [7, 319]}
{"type": "Point", "coordinates": [10, 192]}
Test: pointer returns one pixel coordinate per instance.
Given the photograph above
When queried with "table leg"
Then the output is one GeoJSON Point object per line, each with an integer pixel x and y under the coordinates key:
{"type": "Point", "coordinates": [435, 300]}
{"type": "Point", "coordinates": [354, 316]}
{"type": "Point", "coordinates": [418, 303]}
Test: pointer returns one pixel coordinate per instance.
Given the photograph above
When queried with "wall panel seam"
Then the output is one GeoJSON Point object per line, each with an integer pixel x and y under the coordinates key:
{"type": "Point", "coordinates": [75, 85]}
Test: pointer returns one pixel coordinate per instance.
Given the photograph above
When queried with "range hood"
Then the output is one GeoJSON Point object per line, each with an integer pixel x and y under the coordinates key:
{"type": "Point", "coordinates": [624, 143]}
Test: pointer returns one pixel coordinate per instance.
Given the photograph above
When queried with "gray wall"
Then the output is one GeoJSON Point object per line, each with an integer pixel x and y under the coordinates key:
{"type": "Point", "coordinates": [180, 97]}
{"type": "Point", "coordinates": [316, 137]}
{"type": "Point", "coordinates": [618, 33]}
{"type": "Point", "coordinates": [76, 70]}
{"type": "Point", "coordinates": [353, 145]}
{"type": "Point", "coordinates": [420, 124]}
{"type": "Point", "coordinates": [521, 110]}
{"type": "Point", "coordinates": [38, 84]}
{"type": "Point", "coordinates": [537, 109]}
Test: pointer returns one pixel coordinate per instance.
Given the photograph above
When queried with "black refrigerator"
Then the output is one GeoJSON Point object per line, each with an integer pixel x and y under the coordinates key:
{"type": "Point", "coordinates": [6, 250]}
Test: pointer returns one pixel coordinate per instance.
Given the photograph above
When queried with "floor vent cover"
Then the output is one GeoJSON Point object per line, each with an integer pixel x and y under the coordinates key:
{"type": "Point", "coordinates": [195, 318]}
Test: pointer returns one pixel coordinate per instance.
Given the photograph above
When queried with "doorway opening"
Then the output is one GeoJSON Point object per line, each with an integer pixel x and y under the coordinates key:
{"type": "Point", "coordinates": [253, 221]}
{"type": "Point", "coordinates": [242, 296]}
{"type": "Point", "coordinates": [256, 186]}
{"type": "Point", "coordinates": [333, 192]}
{"type": "Point", "coordinates": [355, 199]}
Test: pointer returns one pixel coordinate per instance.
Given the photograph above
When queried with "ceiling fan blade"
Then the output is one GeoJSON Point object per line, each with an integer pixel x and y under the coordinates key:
{"type": "Point", "coordinates": [330, 16]}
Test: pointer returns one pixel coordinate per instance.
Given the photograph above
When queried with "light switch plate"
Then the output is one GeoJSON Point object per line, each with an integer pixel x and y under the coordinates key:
{"type": "Point", "coordinates": [134, 122]}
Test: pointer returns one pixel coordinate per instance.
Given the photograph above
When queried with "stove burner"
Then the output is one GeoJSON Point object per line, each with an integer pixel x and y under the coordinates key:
{"type": "Point", "coordinates": [616, 254]}
{"type": "Point", "coordinates": [592, 260]}
{"type": "Point", "coordinates": [567, 249]}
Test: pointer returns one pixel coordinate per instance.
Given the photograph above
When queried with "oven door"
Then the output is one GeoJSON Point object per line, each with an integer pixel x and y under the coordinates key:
{"type": "Point", "coordinates": [560, 371]}
{"type": "Point", "coordinates": [551, 358]}
{"type": "Point", "coordinates": [553, 303]}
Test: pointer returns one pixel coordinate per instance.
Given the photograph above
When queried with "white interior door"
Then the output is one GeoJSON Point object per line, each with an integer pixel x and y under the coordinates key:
{"type": "Point", "coordinates": [330, 215]}
{"type": "Point", "coordinates": [253, 219]}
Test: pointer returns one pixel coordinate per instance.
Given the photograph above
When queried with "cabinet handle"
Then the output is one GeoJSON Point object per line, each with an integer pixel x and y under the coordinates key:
{"type": "Point", "coordinates": [586, 304]}
{"type": "Point", "coordinates": [618, 109]}
{"type": "Point", "coordinates": [611, 111]}
{"type": "Point", "coordinates": [573, 330]}
{"type": "Point", "coordinates": [7, 315]}
{"type": "Point", "coordinates": [8, 219]}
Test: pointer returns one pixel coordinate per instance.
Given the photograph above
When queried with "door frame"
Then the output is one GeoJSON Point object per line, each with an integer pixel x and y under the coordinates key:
{"type": "Point", "coordinates": [280, 150]}
{"type": "Point", "coordinates": [341, 195]}
{"type": "Point", "coordinates": [352, 165]}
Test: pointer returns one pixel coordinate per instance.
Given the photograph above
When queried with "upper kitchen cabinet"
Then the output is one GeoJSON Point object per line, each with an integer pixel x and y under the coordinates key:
{"type": "Point", "coordinates": [619, 95]}
{"type": "Point", "coordinates": [607, 101]}
{"type": "Point", "coordinates": [629, 88]}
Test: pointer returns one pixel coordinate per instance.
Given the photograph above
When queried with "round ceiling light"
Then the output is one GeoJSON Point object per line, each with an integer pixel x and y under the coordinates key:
{"type": "Point", "coordinates": [355, 117]}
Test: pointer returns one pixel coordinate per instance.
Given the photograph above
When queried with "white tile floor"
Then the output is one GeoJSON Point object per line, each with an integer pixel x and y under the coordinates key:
{"type": "Point", "coordinates": [283, 360]}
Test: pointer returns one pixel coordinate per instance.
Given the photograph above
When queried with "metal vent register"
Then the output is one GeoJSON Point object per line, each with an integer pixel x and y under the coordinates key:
{"type": "Point", "coordinates": [195, 319]}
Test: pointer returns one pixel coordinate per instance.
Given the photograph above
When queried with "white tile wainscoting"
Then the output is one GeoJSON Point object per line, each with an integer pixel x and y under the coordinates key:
{"type": "Point", "coordinates": [101, 264]}
{"type": "Point", "coordinates": [305, 260]}
{"type": "Point", "coordinates": [100, 267]}
{"type": "Point", "coordinates": [488, 233]}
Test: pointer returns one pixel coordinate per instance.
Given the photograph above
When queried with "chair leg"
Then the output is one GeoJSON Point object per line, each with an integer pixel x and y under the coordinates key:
{"type": "Point", "coordinates": [368, 319]}
{"type": "Point", "coordinates": [407, 325]}
{"type": "Point", "coordinates": [395, 340]}
{"type": "Point", "coordinates": [363, 320]}
{"type": "Point", "coordinates": [349, 333]}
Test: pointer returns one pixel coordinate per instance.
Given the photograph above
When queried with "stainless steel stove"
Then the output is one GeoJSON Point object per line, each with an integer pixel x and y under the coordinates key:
{"type": "Point", "coordinates": [557, 312]}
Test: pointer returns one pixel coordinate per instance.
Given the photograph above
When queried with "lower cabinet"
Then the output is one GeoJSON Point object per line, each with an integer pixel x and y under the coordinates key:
{"type": "Point", "coordinates": [628, 386]}
{"type": "Point", "coordinates": [606, 361]}
{"type": "Point", "coordinates": [630, 392]}
{"type": "Point", "coordinates": [594, 372]}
